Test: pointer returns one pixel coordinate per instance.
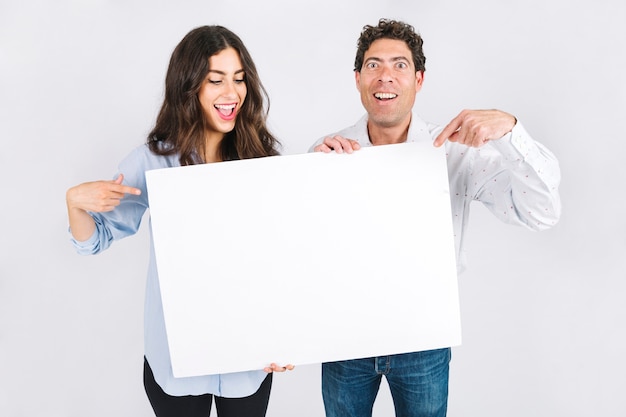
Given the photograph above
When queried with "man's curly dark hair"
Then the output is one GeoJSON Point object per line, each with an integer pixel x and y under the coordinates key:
{"type": "Point", "coordinates": [391, 29]}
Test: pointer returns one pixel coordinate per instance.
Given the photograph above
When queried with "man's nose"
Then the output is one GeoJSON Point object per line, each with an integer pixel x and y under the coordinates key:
{"type": "Point", "coordinates": [385, 74]}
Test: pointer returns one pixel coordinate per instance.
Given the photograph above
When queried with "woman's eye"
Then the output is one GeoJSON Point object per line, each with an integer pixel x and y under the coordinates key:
{"type": "Point", "coordinates": [216, 82]}
{"type": "Point", "coordinates": [240, 81]}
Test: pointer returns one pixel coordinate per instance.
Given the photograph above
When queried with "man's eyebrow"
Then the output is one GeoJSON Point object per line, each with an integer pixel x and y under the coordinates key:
{"type": "Point", "coordinates": [392, 59]}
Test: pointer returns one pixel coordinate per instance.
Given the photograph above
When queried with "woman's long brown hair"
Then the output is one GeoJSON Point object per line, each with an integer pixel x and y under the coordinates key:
{"type": "Point", "coordinates": [181, 123]}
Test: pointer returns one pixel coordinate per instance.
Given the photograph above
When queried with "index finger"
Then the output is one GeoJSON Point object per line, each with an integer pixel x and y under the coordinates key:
{"type": "Point", "coordinates": [126, 189]}
{"type": "Point", "coordinates": [447, 131]}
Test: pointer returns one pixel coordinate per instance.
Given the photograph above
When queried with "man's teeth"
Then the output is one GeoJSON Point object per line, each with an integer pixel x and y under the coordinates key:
{"type": "Point", "coordinates": [385, 95]}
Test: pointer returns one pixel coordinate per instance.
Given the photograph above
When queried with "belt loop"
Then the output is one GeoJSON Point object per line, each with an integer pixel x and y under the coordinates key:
{"type": "Point", "coordinates": [382, 364]}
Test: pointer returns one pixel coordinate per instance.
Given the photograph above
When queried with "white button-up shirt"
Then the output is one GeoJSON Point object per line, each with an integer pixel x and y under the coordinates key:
{"type": "Point", "coordinates": [515, 177]}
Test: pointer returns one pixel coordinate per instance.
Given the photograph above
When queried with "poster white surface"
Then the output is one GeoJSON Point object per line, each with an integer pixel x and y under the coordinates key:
{"type": "Point", "coordinates": [305, 258]}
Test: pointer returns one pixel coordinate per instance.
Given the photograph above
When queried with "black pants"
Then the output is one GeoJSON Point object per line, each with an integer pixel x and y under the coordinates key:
{"type": "Point", "coordinates": [165, 405]}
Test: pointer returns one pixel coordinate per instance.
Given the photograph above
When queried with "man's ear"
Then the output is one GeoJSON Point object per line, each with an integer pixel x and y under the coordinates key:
{"type": "Point", "coordinates": [419, 80]}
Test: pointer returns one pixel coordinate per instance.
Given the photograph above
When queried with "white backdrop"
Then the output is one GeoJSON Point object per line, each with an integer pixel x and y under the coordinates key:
{"type": "Point", "coordinates": [80, 85]}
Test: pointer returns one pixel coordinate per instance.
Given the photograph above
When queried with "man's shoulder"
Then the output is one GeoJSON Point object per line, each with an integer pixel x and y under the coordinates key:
{"type": "Point", "coordinates": [357, 131]}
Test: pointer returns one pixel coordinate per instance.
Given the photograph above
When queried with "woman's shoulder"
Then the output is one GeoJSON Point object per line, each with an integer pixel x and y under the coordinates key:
{"type": "Point", "coordinates": [142, 156]}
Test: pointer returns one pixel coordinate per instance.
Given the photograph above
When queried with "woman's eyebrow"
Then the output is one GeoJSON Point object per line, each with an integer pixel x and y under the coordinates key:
{"type": "Point", "coordinates": [223, 73]}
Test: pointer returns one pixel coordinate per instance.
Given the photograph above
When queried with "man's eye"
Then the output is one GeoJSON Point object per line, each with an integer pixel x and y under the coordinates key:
{"type": "Point", "coordinates": [371, 65]}
{"type": "Point", "coordinates": [402, 65]}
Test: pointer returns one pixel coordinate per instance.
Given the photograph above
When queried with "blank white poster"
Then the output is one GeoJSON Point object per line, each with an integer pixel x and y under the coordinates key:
{"type": "Point", "coordinates": [305, 258]}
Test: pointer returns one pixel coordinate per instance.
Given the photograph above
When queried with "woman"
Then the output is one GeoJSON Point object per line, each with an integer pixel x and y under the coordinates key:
{"type": "Point", "coordinates": [214, 110]}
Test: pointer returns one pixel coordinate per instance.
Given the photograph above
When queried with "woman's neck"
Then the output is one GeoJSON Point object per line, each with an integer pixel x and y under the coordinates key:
{"type": "Point", "coordinates": [212, 151]}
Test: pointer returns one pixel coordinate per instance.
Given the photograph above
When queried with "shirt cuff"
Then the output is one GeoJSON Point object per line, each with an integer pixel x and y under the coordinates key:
{"type": "Point", "coordinates": [85, 246]}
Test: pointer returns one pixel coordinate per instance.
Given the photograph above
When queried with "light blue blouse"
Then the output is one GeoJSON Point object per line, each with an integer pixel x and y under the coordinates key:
{"type": "Point", "coordinates": [124, 221]}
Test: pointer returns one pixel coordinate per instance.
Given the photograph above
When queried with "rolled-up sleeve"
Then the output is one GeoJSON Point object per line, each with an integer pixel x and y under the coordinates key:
{"type": "Point", "coordinates": [126, 218]}
{"type": "Point", "coordinates": [517, 179]}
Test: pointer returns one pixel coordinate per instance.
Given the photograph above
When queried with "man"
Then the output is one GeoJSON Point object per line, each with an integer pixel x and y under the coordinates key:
{"type": "Point", "coordinates": [490, 157]}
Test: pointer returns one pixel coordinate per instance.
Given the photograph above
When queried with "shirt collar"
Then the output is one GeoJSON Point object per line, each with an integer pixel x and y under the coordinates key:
{"type": "Point", "coordinates": [418, 130]}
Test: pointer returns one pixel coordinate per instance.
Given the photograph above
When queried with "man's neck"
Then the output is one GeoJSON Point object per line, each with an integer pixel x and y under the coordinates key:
{"type": "Point", "coordinates": [388, 135]}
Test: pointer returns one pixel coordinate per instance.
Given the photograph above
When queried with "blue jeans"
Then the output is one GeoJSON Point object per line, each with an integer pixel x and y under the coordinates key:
{"type": "Point", "coordinates": [418, 383]}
